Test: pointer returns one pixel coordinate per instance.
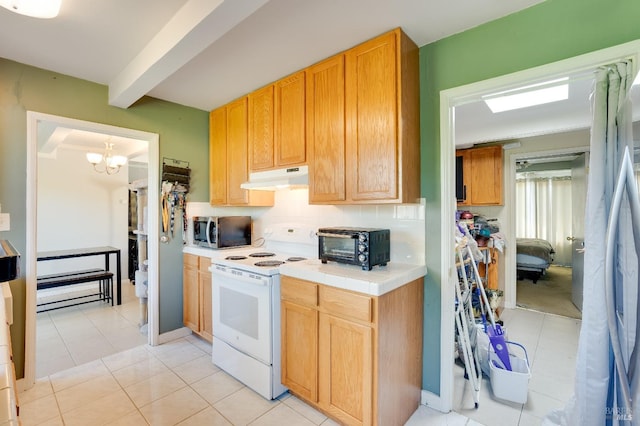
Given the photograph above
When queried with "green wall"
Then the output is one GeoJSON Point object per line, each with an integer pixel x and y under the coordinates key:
{"type": "Point", "coordinates": [549, 32]}
{"type": "Point", "coordinates": [183, 135]}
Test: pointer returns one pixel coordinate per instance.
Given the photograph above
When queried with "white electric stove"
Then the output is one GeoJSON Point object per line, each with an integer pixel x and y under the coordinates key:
{"type": "Point", "coordinates": [246, 307]}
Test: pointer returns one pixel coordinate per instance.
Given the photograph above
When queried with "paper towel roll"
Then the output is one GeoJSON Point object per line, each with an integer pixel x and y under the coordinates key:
{"type": "Point", "coordinates": [142, 284]}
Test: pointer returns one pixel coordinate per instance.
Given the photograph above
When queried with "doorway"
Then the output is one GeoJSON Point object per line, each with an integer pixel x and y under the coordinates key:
{"type": "Point", "coordinates": [449, 100]}
{"type": "Point", "coordinates": [35, 123]}
{"type": "Point", "coordinates": [550, 192]}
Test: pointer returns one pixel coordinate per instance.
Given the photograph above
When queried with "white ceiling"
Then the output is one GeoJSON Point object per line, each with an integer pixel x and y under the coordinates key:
{"type": "Point", "coordinates": [192, 53]}
{"type": "Point", "coordinates": [205, 53]}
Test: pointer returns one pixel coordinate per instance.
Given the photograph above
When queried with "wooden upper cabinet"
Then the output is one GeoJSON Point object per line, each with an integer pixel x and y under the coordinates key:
{"type": "Point", "coordinates": [238, 167]}
{"type": "Point", "coordinates": [228, 158]}
{"type": "Point", "coordinates": [352, 118]}
{"type": "Point", "coordinates": [261, 129]}
{"type": "Point", "coordinates": [290, 127]}
{"type": "Point", "coordinates": [479, 171]}
{"type": "Point", "coordinates": [277, 124]}
{"type": "Point", "coordinates": [326, 131]}
{"type": "Point", "coordinates": [372, 119]}
{"type": "Point", "coordinates": [381, 158]}
{"type": "Point", "coordinates": [218, 156]}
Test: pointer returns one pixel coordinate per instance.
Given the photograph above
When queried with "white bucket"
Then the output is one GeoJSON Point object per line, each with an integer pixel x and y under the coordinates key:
{"type": "Point", "coordinates": [510, 385]}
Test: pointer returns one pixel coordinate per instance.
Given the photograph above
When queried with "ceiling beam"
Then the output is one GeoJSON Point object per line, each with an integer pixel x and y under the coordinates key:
{"type": "Point", "coordinates": [193, 28]}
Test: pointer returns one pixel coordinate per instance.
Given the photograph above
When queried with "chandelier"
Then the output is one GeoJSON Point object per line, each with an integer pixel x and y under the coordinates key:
{"type": "Point", "coordinates": [106, 162]}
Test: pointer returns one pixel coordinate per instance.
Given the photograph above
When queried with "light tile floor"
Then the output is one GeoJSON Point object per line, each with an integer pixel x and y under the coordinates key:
{"type": "Point", "coordinates": [176, 384]}
{"type": "Point", "coordinates": [551, 342]}
{"type": "Point", "coordinates": [79, 334]}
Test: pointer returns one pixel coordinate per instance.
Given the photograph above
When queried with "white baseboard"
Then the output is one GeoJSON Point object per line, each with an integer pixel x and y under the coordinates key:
{"type": "Point", "coordinates": [432, 400]}
{"type": "Point", "coordinates": [173, 335]}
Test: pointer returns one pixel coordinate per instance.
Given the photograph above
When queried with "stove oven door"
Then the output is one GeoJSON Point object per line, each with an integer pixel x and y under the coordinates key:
{"type": "Point", "coordinates": [242, 311]}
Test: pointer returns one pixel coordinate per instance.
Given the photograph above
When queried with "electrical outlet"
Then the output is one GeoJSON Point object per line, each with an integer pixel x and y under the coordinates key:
{"type": "Point", "coordinates": [4, 222]}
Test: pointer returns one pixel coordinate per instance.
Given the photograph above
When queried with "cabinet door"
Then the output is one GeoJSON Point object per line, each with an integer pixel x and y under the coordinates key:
{"type": "Point", "coordinates": [190, 293]}
{"type": "Point", "coordinates": [299, 349]}
{"type": "Point", "coordinates": [490, 270]}
{"type": "Point", "coordinates": [237, 151]}
{"type": "Point", "coordinates": [218, 156]}
{"type": "Point", "coordinates": [485, 176]}
{"type": "Point", "coordinates": [346, 367]}
{"type": "Point", "coordinates": [325, 131]}
{"type": "Point", "coordinates": [372, 111]}
{"type": "Point", "coordinates": [261, 126]}
{"type": "Point", "coordinates": [205, 302]}
{"type": "Point", "coordinates": [290, 128]}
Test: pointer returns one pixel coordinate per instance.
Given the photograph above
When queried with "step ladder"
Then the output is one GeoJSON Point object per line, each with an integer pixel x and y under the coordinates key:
{"type": "Point", "coordinates": [466, 330]}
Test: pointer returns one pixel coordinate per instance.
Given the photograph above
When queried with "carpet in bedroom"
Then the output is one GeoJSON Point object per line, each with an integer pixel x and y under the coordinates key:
{"type": "Point", "coordinates": [551, 294]}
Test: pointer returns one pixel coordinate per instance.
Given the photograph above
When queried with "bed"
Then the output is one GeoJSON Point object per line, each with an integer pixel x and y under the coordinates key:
{"type": "Point", "coordinates": [533, 257]}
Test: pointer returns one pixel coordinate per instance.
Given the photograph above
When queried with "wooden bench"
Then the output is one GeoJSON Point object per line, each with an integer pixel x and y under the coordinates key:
{"type": "Point", "coordinates": [105, 287]}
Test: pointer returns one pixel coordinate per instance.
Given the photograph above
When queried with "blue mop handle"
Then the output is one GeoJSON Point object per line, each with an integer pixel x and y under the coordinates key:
{"type": "Point", "coordinates": [496, 338]}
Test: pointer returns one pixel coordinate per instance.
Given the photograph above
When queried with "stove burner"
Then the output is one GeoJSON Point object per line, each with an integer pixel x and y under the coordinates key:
{"type": "Point", "coordinates": [262, 254]}
{"type": "Point", "coordinates": [235, 257]}
{"type": "Point", "coordinates": [269, 263]}
{"type": "Point", "coordinates": [296, 259]}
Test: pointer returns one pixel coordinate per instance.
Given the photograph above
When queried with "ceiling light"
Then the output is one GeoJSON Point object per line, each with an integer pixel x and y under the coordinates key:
{"type": "Point", "coordinates": [523, 97]}
{"type": "Point", "coordinates": [110, 163]}
{"type": "Point", "coordinates": [34, 8]}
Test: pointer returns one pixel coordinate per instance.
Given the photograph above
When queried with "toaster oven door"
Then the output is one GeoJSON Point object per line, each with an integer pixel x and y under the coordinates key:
{"type": "Point", "coordinates": [338, 247]}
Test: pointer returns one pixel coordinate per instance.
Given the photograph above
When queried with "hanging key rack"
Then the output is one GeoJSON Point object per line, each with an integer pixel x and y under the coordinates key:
{"type": "Point", "coordinates": [175, 186]}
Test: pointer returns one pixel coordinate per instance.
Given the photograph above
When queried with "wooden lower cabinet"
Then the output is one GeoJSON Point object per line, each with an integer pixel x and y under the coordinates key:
{"type": "Point", "coordinates": [196, 295]}
{"type": "Point", "coordinates": [346, 370]}
{"type": "Point", "coordinates": [355, 357]}
{"type": "Point", "coordinates": [205, 302]}
{"type": "Point", "coordinates": [488, 268]}
{"type": "Point", "coordinates": [300, 360]}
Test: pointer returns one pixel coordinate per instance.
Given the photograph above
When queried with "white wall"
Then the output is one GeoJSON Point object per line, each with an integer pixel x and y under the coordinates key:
{"type": "Point", "coordinates": [77, 208]}
{"type": "Point", "coordinates": [406, 221]}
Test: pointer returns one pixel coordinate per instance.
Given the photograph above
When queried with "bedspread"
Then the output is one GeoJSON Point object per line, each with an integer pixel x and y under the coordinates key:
{"type": "Point", "coordinates": [535, 247]}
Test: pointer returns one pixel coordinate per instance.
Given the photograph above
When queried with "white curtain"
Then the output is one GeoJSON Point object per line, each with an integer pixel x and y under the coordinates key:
{"type": "Point", "coordinates": [543, 210]}
{"type": "Point", "coordinates": [610, 133]}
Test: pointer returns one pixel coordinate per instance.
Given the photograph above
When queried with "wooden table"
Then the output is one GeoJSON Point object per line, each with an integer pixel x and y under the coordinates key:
{"type": "Point", "coordinates": [106, 251]}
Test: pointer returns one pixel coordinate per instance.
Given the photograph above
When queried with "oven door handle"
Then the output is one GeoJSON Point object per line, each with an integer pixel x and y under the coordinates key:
{"type": "Point", "coordinates": [345, 236]}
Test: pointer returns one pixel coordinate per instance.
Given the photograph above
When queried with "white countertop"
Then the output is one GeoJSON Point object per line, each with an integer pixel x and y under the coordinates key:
{"type": "Point", "coordinates": [378, 281]}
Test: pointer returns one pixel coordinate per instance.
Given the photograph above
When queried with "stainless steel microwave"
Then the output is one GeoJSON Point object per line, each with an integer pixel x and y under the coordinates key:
{"type": "Point", "coordinates": [365, 247]}
{"type": "Point", "coordinates": [220, 232]}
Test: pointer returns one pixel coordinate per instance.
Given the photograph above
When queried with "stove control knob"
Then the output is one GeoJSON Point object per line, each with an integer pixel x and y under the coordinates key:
{"type": "Point", "coordinates": [362, 237]}
{"type": "Point", "coordinates": [362, 248]}
{"type": "Point", "coordinates": [362, 258]}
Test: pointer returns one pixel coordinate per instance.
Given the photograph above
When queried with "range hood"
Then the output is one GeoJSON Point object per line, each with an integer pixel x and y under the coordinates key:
{"type": "Point", "coordinates": [271, 180]}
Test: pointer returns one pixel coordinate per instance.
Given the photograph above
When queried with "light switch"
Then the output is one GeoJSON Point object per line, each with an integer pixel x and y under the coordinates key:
{"type": "Point", "coordinates": [4, 222]}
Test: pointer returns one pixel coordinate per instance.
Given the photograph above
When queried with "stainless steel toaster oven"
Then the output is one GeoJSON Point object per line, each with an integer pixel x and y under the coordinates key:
{"type": "Point", "coordinates": [365, 247]}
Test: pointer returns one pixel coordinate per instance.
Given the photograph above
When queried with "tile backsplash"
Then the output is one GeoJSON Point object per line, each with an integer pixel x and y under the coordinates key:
{"type": "Point", "coordinates": [405, 221]}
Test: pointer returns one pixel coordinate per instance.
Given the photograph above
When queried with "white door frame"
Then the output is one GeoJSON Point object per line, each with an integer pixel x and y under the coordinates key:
{"type": "Point", "coordinates": [33, 118]}
{"type": "Point", "coordinates": [461, 95]}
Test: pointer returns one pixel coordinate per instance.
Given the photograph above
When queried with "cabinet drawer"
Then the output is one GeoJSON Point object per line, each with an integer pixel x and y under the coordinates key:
{"type": "Point", "coordinates": [205, 262]}
{"type": "Point", "coordinates": [190, 259]}
{"type": "Point", "coordinates": [299, 291]}
{"type": "Point", "coordinates": [346, 304]}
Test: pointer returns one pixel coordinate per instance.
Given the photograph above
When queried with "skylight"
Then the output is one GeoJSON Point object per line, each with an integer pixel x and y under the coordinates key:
{"type": "Point", "coordinates": [523, 97]}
